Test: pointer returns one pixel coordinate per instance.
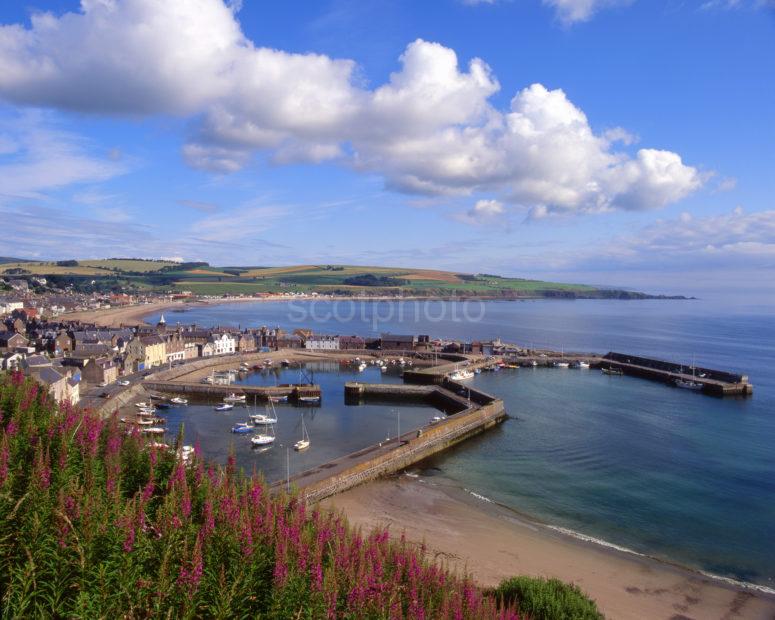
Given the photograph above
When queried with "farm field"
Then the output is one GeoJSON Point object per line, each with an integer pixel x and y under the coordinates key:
{"type": "Point", "coordinates": [203, 279]}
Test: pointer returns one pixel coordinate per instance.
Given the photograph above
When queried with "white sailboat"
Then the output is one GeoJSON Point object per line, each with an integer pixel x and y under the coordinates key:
{"type": "Point", "coordinates": [263, 439]}
{"type": "Point", "coordinates": [265, 418]}
{"type": "Point", "coordinates": [461, 374]}
{"type": "Point", "coordinates": [303, 443]}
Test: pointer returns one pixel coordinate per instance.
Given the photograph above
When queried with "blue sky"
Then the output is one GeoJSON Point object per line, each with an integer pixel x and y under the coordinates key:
{"type": "Point", "coordinates": [608, 141]}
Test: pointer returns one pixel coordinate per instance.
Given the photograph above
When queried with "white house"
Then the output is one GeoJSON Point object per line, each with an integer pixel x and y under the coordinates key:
{"type": "Point", "coordinates": [224, 344]}
{"type": "Point", "coordinates": [321, 342]}
{"type": "Point", "coordinates": [7, 306]}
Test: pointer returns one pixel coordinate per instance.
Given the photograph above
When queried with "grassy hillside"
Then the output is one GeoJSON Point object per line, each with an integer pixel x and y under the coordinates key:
{"type": "Point", "coordinates": [203, 279]}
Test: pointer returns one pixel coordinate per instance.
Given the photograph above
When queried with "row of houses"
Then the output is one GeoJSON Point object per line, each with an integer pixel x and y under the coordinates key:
{"type": "Point", "coordinates": [70, 357]}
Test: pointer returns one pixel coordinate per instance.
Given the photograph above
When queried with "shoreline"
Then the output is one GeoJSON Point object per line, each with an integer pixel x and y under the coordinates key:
{"type": "Point", "coordinates": [474, 534]}
{"type": "Point", "coordinates": [132, 315]}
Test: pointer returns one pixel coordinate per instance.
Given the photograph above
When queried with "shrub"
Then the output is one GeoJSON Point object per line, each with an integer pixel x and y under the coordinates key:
{"type": "Point", "coordinates": [96, 522]}
{"type": "Point", "coordinates": [546, 599]}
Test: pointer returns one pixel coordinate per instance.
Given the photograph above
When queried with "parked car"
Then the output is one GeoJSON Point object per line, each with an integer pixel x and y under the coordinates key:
{"type": "Point", "coordinates": [124, 382]}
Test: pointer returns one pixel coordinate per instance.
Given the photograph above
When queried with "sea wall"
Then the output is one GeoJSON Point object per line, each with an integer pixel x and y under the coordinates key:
{"type": "Point", "coordinates": [376, 461]}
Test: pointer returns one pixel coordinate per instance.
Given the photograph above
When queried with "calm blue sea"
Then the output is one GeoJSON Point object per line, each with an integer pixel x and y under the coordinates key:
{"type": "Point", "coordinates": [662, 471]}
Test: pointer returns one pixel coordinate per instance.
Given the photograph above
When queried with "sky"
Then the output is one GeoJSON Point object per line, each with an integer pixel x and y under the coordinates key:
{"type": "Point", "coordinates": [614, 142]}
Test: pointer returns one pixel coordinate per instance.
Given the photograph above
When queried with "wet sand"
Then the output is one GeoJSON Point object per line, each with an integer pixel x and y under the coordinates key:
{"type": "Point", "coordinates": [123, 315]}
{"type": "Point", "coordinates": [494, 543]}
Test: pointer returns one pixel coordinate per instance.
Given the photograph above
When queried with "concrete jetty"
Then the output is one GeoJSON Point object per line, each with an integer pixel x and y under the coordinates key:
{"type": "Point", "coordinates": [293, 391]}
{"type": "Point", "coordinates": [714, 382]}
{"type": "Point", "coordinates": [478, 414]}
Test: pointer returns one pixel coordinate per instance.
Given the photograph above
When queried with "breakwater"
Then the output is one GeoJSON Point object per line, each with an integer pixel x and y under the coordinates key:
{"type": "Point", "coordinates": [294, 391]}
{"type": "Point", "coordinates": [713, 382]}
{"type": "Point", "coordinates": [482, 412]}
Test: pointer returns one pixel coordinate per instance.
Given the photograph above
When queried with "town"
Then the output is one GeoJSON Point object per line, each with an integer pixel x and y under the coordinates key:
{"type": "Point", "coordinates": [77, 360]}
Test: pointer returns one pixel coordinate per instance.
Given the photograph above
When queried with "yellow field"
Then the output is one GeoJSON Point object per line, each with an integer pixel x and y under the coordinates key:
{"type": "Point", "coordinates": [428, 274]}
{"type": "Point", "coordinates": [127, 264]}
{"type": "Point", "coordinates": [270, 272]}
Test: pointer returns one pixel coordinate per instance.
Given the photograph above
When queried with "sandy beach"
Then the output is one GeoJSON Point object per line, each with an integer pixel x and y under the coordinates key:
{"type": "Point", "coordinates": [116, 317]}
{"type": "Point", "coordinates": [494, 543]}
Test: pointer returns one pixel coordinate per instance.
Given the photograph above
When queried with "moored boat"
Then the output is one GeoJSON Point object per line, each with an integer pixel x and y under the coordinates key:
{"type": "Point", "coordinates": [241, 428]}
{"type": "Point", "coordinates": [177, 400]}
{"type": "Point", "coordinates": [224, 407]}
{"type": "Point", "coordinates": [688, 385]}
{"type": "Point", "coordinates": [261, 418]}
{"type": "Point", "coordinates": [304, 442]}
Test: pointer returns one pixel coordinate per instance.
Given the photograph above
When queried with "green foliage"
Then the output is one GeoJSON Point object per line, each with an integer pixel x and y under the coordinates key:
{"type": "Point", "coordinates": [97, 522]}
{"type": "Point", "coordinates": [546, 599]}
{"type": "Point", "coordinates": [369, 279]}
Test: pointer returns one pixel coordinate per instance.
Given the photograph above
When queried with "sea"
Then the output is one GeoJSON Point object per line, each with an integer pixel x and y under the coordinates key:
{"type": "Point", "coordinates": [626, 462]}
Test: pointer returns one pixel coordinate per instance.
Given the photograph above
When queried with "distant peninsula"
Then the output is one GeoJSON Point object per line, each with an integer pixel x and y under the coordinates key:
{"type": "Point", "coordinates": [201, 279]}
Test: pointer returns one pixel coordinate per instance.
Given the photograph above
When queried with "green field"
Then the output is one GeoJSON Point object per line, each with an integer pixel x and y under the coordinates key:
{"type": "Point", "coordinates": [204, 279]}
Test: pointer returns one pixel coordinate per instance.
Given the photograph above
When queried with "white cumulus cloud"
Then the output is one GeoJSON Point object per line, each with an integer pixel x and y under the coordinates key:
{"type": "Point", "coordinates": [571, 11]}
{"type": "Point", "coordinates": [430, 129]}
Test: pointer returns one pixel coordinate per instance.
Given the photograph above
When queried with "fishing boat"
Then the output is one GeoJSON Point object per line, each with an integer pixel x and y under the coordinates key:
{"type": "Point", "coordinates": [437, 418]}
{"type": "Point", "coordinates": [611, 371]}
{"type": "Point", "coordinates": [144, 405]}
{"type": "Point", "coordinates": [688, 385]}
{"type": "Point", "coordinates": [314, 400]}
{"type": "Point", "coordinates": [461, 375]}
{"type": "Point", "coordinates": [278, 399]}
{"type": "Point", "coordinates": [241, 428]}
{"type": "Point", "coordinates": [224, 407]}
{"type": "Point", "coordinates": [153, 430]}
{"type": "Point", "coordinates": [285, 363]}
{"type": "Point", "coordinates": [580, 364]}
{"type": "Point", "coordinates": [177, 400]}
{"type": "Point", "coordinates": [361, 367]}
{"type": "Point", "coordinates": [234, 398]}
{"type": "Point", "coordinates": [303, 443]}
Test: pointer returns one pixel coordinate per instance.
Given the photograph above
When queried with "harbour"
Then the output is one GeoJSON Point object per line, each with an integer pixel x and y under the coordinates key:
{"type": "Point", "coordinates": [634, 462]}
